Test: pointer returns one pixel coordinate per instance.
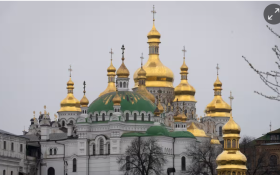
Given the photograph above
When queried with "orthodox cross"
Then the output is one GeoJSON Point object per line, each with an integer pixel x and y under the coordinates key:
{"type": "Point", "coordinates": [270, 126]}
{"type": "Point", "coordinates": [142, 59]}
{"type": "Point", "coordinates": [230, 98]}
{"type": "Point", "coordinates": [111, 52]}
{"type": "Point", "coordinates": [123, 50]}
{"type": "Point", "coordinates": [70, 70]}
{"type": "Point", "coordinates": [217, 69]}
{"type": "Point", "coordinates": [184, 52]}
{"type": "Point", "coordinates": [84, 87]}
{"type": "Point", "coordinates": [45, 112]}
{"type": "Point", "coordinates": [154, 12]}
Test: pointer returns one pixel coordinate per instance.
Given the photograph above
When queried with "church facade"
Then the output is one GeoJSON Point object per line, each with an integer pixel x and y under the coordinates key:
{"type": "Point", "coordinates": [86, 138]}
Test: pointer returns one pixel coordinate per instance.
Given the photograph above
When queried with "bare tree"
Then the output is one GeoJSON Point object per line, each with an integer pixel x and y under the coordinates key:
{"type": "Point", "coordinates": [143, 157]}
{"type": "Point", "coordinates": [203, 157]}
{"type": "Point", "coordinates": [270, 78]}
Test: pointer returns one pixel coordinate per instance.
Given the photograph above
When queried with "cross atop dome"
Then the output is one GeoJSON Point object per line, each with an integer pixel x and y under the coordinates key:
{"type": "Point", "coordinates": [70, 70]}
{"type": "Point", "coordinates": [154, 12]}
{"type": "Point", "coordinates": [184, 51]}
{"type": "Point", "coordinates": [111, 52]}
{"type": "Point", "coordinates": [217, 69]}
{"type": "Point", "coordinates": [142, 59]}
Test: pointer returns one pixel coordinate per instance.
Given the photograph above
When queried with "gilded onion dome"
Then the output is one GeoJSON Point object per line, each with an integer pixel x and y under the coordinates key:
{"type": "Point", "coordinates": [177, 117]}
{"type": "Point", "coordinates": [218, 107]}
{"type": "Point", "coordinates": [196, 131]}
{"type": "Point", "coordinates": [111, 79]}
{"type": "Point", "coordinates": [117, 99]}
{"type": "Point", "coordinates": [184, 91]}
{"type": "Point", "coordinates": [159, 109]}
{"type": "Point", "coordinates": [123, 72]}
{"type": "Point", "coordinates": [215, 141]}
{"type": "Point", "coordinates": [158, 75]}
{"type": "Point", "coordinates": [70, 103]}
{"type": "Point", "coordinates": [142, 85]}
{"type": "Point", "coordinates": [231, 160]}
{"type": "Point", "coordinates": [84, 101]}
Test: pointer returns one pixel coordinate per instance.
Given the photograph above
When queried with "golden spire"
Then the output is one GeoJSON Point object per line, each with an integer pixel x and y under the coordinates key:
{"type": "Point", "coordinates": [117, 99]}
{"type": "Point", "coordinates": [231, 98]}
{"type": "Point", "coordinates": [142, 83]}
{"type": "Point", "coordinates": [45, 107]}
{"type": "Point", "coordinates": [123, 72]}
{"type": "Point", "coordinates": [196, 131]}
{"type": "Point", "coordinates": [84, 101]}
{"type": "Point", "coordinates": [158, 75]}
{"type": "Point", "coordinates": [218, 107]}
{"type": "Point", "coordinates": [34, 115]}
{"type": "Point", "coordinates": [231, 160]}
{"type": "Point", "coordinates": [111, 77]}
{"type": "Point", "coordinates": [184, 91]}
{"type": "Point", "coordinates": [70, 103]}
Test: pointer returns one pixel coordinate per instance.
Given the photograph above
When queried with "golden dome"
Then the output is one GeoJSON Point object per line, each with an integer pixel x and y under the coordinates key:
{"type": "Point", "coordinates": [196, 131]}
{"type": "Point", "coordinates": [231, 159]}
{"type": "Point", "coordinates": [184, 91]}
{"type": "Point", "coordinates": [117, 99]}
{"type": "Point", "coordinates": [123, 72]}
{"type": "Point", "coordinates": [218, 107]}
{"type": "Point", "coordinates": [159, 109]}
{"type": "Point", "coordinates": [157, 74]}
{"type": "Point", "coordinates": [84, 101]}
{"type": "Point", "coordinates": [111, 80]}
{"type": "Point", "coordinates": [215, 141]}
{"type": "Point", "coordinates": [70, 103]}
{"type": "Point", "coordinates": [142, 90]}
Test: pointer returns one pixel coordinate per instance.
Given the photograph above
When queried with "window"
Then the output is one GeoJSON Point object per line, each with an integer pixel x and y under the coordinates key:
{"type": "Point", "coordinates": [12, 146]}
{"type": "Point", "coordinates": [103, 117]}
{"type": "Point", "coordinates": [273, 160]}
{"type": "Point", "coordinates": [54, 151]}
{"type": "Point", "coordinates": [124, 84]}
{"type": "Point", "coordinates": [51, 171]}
{"type": "Point", "coordinates": [101, 147]}
{"type": "Point", "coordinates": [120, 84]}
{"type": "Point", "coordinates": [220, 131]}
{"type": "Point", "coordinates": [50, 151]}
{"type": "Point", "coordinates": [63, 123]}
{"type": "Point", "coordinates": [186, 111]}
{"type": "Point", "coordinates": [4, 172]}
{"type": "Point", "coordinates": [127, 116]}
{"type": "Point", "coordinates": [142, 118]}
{"type": "Point", "coordinates": [12, 173]}
{"type": "Point", "coordinates": [228, 144]}
{"type": "Point", "coordinates": [21, 148]}
{"type": "Point", "coordinates": [109, 148]}
{"type": "Point", "coordinates": [183, 163]}
{"type": "Point", "coordinates": [233, 143]}
{"type": "Point", "coordinates": [135, 116]}
{"type": "Point", "coordinates": [93, 149]}
{"type": "Point", "coordinates": [149, 115]}
{"type": "Point", "coordinates": [127, 163]}
{"type": "Point", "coordinates": [96, 117]}
{"type": "Point", "coordinates": [75, 165]}
{"type": "Point", "coordinates": [4, 146]}
{"type": "Point", "coordinates": [111, 114]}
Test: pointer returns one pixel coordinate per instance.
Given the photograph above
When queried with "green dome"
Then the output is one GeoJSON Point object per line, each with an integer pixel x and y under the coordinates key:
{"type": "Point", "coordinates": [131, 101]}
{"type": "Point", "coordinates": [181, 134]}
{"type": "Point", "coordinates": [157, 130]}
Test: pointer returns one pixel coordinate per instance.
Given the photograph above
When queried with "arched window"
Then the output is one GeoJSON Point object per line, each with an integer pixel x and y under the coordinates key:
{"type": "Point", "coordinates": [120, 84]}
{"type": "Point", "coordinates": [50, 151]}
{"type": "Point", "coordinates": [233, 143]}
{"type": "Point", "coordinates": [220, 131]}
{"type": "Point", "coordinates": [54, 151]}
{"type": "Point", "coordinates": [93, 149]}
{"type": "Point", "coordinates": [124, 84]}
{"type": "Point", "coordinates": [273, 160]}
{"type": "Point", "coordinates": [142, 118]}
{"type": "Point", "coordinates": [12, 172]}
{"type": "Point", "coordinates": [71, 122]}
{"type": "Point", "coordinates": [108, 148]}
{"type": "Point", "coordinates": [127, 116]}
{"type": "Point", "coordinates": [96, 117]}
{"type": "Point", "coordinates": [111, 114]}
{"type": "Point", "coordinates": [103, 117]}
{"type": "Point", "coordinates": [51, 171]}
{"type": "Point", "coordinates": [149, 115]}
{"type": "Point", "coordinates": [12, 146]}
{"type": "Point", "coordinates": [127, 163]}
{"type": "Point", "coordinates": [101, 147]}
{"type": "Point", "coordinates": [63, 123]}
{"type": "Point", "coordinates": [228, 144]}
{"type": "Point", "coordinates": [74, 165]}
{"type": "Point", "coordinates": [183, 163]}
{"type": "Point", "coordinates": [186, 111]}
{"type": "Point", "coordinates": [135, 116]}
{"type": "Point", "coordinates": [4, 172]}
{"type": "Point", "coordinates": [4, 146]}
{"type": "Point", "coordinates": [233, 173]}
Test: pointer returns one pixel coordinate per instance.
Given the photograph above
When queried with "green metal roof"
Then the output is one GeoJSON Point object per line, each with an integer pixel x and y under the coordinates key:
{"type": "Point", "coordinates": [131, 101]}
{"type": "Point", "coordinates": [181, 134]}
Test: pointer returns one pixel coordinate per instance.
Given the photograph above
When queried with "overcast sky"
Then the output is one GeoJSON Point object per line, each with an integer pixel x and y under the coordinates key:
{"type": "Point", "coordinates": [39, 40]}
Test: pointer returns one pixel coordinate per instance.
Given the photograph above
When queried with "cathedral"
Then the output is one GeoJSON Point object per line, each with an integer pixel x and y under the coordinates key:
{"type": "Point", "coordinates": [86, 138]}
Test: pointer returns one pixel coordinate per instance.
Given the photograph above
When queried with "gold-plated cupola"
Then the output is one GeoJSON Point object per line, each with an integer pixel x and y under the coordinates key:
{"type": "Point", "coordinates": [111, 73]}
{"type": "Point", "coordinates": [184, 91]}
